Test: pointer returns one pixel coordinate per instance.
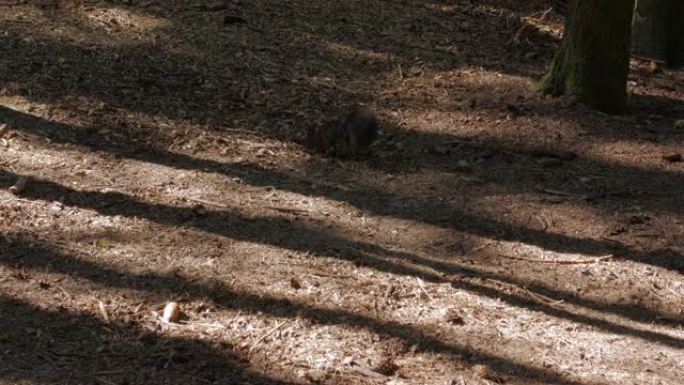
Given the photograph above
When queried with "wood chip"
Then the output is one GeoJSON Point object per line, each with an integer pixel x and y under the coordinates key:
{"type": "Point", "coordinates": [484, 372]}
{"type": "Point", "coordinates": [103, 311]}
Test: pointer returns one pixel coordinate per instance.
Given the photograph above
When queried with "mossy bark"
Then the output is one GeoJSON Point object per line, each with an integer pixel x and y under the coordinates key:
{"type": "Point", "coordinates": [593, 59]}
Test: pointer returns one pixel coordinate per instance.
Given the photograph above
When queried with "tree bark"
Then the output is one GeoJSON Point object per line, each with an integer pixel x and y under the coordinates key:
{"type": "Point", "coordinates": [593, 59]}
{"type": "Point", "coordinates": [674, 33]}
{"type": "Point", "coordinates": [658, 30]}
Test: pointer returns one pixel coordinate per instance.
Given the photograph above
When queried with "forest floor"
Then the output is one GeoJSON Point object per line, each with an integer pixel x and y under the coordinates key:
{"type": "Point", "coordinates": [493, 235]}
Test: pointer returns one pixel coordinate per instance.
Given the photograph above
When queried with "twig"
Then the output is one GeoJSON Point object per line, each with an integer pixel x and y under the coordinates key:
{"type": "Point", "coordinates": [104, 381]}
{"type": "Point", "coordinates": [243, 131]}
{"type": "Point", "coordinates": [483, 246]}
{"type": "Point", "coordinates": [288, 210]}
{"type": "Point", "coordinates": [8, 162]}
{"type": "Point", "coordinates": [66, 354]}
{"type": "Point", "coordinates": [561, 261]}
{"type": "Point", "coordinates": [320, 275]}
{"type": "Point", "coordinates": [369, 372]}
{"type": "Point", "coordinates": [18, 200]}
{"type": "Point", "coordinates": [65, 292]}
{"type": "Point", "coordinates": [644, 58]}
{"type": "Point", "coordinates": [543, 223]}
{"type": "Point", "coordinates": [109, 372]}
{"type": "Point", "coordinates": [47, 358]}
{"type": "Point", "coordinates": [337, 87]}
{"type": "Point", "coordinates": [268, 333]}
{"type": "Point", "coordinates": [541, 13]}
{"type": "Point", "coordinates": [103, 311]}
{"type": "Point", "coordinates": [329, 185]}
{"type": "Point", "coordinates": [11, 3]}
{"type": "Point", "coordinates": [546, 13]}
{"type": "Point", "coordinates": [589, 197]}
{"type": "Point", "coordinates": [464, 141]}
{"type": "Point", "coordinates": [422, 287]}
{"type": "Point", "coordinates": [206, 202]}
{"type": "Point", "coordinates": [615, 193]}
{"type": "Point", "coordinates": [112, 203]}
{"type": "Point", "coordinates": [537, 296]}
{"type": "Point", "coordinates": [204, 324]}
{"type": "Point", "coordinates": [558, 192]}
{"type": "Point", "coordinates": [516, 37]}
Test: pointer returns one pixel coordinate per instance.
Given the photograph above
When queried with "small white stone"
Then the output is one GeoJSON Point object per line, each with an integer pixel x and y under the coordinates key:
{"type": "Point", "coordinates": [171, 312]}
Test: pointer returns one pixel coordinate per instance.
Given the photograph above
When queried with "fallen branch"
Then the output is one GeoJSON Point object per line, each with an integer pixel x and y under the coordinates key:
{"type": "Point", "coordinates": [561, 261]}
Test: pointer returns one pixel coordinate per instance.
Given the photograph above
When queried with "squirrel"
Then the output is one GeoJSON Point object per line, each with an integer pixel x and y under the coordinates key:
{"type": "Point", "coordinates": [351, 137]}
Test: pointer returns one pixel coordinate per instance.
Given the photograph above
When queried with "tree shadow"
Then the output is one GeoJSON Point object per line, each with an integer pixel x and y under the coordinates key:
{"type": "Point", "coordinates": [128, 77]}
{"type": "Point", "coordinates": [232, 224]}
{"type": "Point", "coordinates": [384, 203]}
{"type": "Point", "coordinates": [249, 72]}
{"type": "Point", "coordinates": [161, 83]}
{"type": "Point", "coordinates": [157, 351]}
{"type": "Point", "coordinates": [44, 345]}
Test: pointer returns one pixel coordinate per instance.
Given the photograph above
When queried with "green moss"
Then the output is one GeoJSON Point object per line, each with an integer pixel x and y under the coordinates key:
{"type": "Point", "coordinates": [593, 59]}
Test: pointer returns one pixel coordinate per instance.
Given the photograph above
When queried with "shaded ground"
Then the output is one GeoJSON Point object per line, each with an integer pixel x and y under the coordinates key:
{"type": "Point", "coordinates": [161, 140]}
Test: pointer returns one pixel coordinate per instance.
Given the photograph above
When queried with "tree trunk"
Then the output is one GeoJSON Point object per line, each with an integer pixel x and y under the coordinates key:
{"type": "Point", "coordinates": [658, 30]}
{"type": "Point", "coordinates": [648, 29]}
{"type": "Point", "coordinates": [593, 59]}
{"type": "Point", "coordinates": [674, 33]}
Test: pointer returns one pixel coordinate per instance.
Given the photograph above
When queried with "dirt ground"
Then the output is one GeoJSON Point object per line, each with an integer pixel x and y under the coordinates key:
{"type": "Point", "coordinates": [493, 236]}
